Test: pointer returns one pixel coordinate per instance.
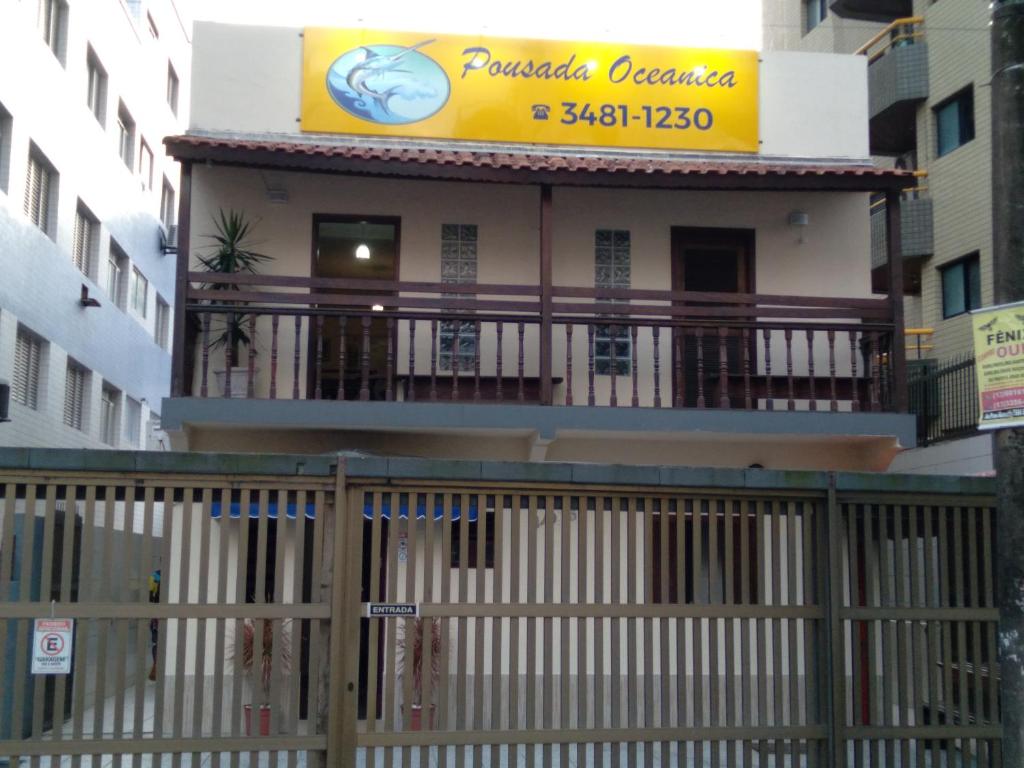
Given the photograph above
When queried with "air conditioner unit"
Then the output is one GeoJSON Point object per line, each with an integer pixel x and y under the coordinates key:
{"type": "Point", "coordinates": [169, 239]}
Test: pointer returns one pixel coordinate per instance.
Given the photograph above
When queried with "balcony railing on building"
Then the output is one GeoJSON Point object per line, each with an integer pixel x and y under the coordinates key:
{"type": "Point", "coordinates": [330, 339]}
{"type": "Point", "coordinates": [944, 397]}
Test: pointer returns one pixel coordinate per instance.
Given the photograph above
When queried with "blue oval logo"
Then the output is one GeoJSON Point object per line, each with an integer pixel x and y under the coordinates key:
{"type": "Point", "coordinates": [388, 84]}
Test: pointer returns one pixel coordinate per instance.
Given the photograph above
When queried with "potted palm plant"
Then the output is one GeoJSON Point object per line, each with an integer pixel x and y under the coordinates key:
{"type": "Point", "coordinates": [265, 664]}
{"type": "Point", "coordinates": [231, 253]}
{"type": "Point", "coordinates": [413, 642]}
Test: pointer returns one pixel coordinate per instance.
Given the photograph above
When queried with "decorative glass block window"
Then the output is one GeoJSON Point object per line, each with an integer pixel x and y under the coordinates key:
{"type": "Point", "coordinates": [458, 265]}
{"type": "Point", "coordinates": [74, 395]}
{"type": "Point", "coordinates": [612, 270]}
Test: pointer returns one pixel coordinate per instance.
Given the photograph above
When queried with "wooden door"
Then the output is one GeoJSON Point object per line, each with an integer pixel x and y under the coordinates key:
{"type": "Point", "coordinates": [716, 261]}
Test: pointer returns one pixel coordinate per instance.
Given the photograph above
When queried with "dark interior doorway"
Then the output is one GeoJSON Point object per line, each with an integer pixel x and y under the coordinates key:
{"type": "Point", "coordinates": [709, 260]}
{"type": "Point", "coordinates": [338, 243]}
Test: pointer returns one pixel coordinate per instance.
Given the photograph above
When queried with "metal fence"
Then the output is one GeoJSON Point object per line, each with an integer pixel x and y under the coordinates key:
{"type": "Point", "coordinates": [567, 615]}
{"type": "Point", "coordinates": [944, 397]}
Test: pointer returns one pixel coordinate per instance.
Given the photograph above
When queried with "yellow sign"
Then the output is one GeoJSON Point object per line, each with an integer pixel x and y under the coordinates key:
{"type": "Point", "coordinates": [999, 361]}
{"type": "Point", "coordinates": [528, 91]}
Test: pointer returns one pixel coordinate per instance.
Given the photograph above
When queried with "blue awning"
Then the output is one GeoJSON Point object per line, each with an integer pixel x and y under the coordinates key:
{"type": "Point", "coordinates": [421, 507]}
{"type": "Point", "coordinates": [235, 510]}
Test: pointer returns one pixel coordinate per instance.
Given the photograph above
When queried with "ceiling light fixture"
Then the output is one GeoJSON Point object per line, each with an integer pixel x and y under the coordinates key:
{"type": "Point", "coordinates": [363, 251]}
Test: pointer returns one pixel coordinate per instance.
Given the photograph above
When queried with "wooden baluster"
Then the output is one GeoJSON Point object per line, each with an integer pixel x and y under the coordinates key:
{"type": "Point", "coordinates": [875, 404]}
{"type": "Point", "coordinates": [250, 386]}
{"type": "Point", "coordinates": [389, 361]}
{"type": "Point", "coordinates": [700, 367]}
{"type": "Point", "coordinates": [522, 362]}
{"type": "Point", "coordinates": [748, 402]}
{"type": "Point", "coordinates": [455, 359]}
{"type": "Point", "coordinates": [476, 361]}
{"type": "Point", "coordinates": [342, 322]}
{"type": "Point", "coordinates": [433, 361]}
{"type": "Point", "coordinates": [205, 378]}
{"type": "Point", "coordinates": [228, 365]}
{"type": "Point", "coordinates": [655, 338]}
{"type": "Point", "coordinates": [297, 362]}
{"type": "Point", "coordinates": [275, 321]}
{"type": "Point", "coordinates": [636, 391]}
{"type": "Point", "coordinates": [364, 362]}
{"type": "Point", "coordinates": [679, 335]}
{"type": "Point", "coordinates": [410, 390]}
{"type": "Point", "coordinates": [723, 367]}
{"type": "Point", "coordinates": [499, 389]}
{"type": "Point", "coordinates": [568, 363]}
{"type": "Point", "coordinates": [769, 400]}
{"type": "Point", "coordinates": [810, 369]}
{"type": "Point", "coordinates": [834, 402]}
{"type": "Point", "coordinates": [318, 382]}
{"type": "Point", "coordinates": [854, 383]}
{"type": "Point", "coordinates": [791, 402]}
{"type": "Point", "coordinates": [613, 364]}
{"type": "Point", "coordinates": [590, 364]}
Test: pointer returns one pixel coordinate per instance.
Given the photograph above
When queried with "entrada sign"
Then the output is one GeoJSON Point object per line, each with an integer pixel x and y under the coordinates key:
{"type": "Point", "coordinates": [392, 609]}
{"type": "Point", "coordinates": [420, 85]}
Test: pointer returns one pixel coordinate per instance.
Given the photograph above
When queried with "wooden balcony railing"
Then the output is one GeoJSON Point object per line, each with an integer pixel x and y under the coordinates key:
{"type": "Point", "coordinates": [323, 338]}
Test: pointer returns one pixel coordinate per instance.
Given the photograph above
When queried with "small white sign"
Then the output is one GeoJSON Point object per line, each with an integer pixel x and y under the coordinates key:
{"type": "Point", "coordinates": [393, 609]}
{"type": "Point", "coordinates": [52, 641]}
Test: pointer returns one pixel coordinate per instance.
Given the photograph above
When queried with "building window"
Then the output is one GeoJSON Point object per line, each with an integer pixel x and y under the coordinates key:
{"type": "Point", "coordinates": [83, 246]}
{"type": "Point", "coordinates": [162, 331]}
{"type": "Point", "coordinates": [954, 121]}
{"type": "Point", "coordinates": [125, 136]}
{"type": "Point", "coordinates": [138, 291]}
{"type": "Point", "coordinates": [961, 286]}
{"type": "Point", "coordinates": [134, 8]}
{"type": "Point", "coordinates": [109, 399]}
{"type": "Point", "coordinates": [612, 265]}
{"type": "Point", "coordinates": [53, 23]}
{"type": "Point", "coordinates": [151, 26]}
{"type": "Point", "coordinates": [41, 191]}
{"type": "Point", "coordinates": [6, 126]}
{"type": "Point", "coordinates": [167, 205]}
{"type": "Point", "coordinates": [28, 354]}
{"type": "Point", "coordinates": [146, 165]}
{"type": "Point", "coordinates": [458, 266]}
{"type": "Point", "coordinates": [172, 88]}
{"type": "Point", "coordinates": [132, 422]}
{"type": "Point", "coordinates": [117, 270]}
{"type": "Point", "coordinates": [96, 87]}
{"type": "Point", "coordinates": [74, 395]}
{"type": "Point", "coordinates": [815, 12]}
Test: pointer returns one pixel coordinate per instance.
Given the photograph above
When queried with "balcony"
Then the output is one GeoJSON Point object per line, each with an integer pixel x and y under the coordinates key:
{"type": "Point", "coordinates": [372, 340]}
{"type": "Point", "coordinates": [917, 240]}
{"type": "Point", "coordinates": [897, 84]}
{"type": "Point", "coordinates": [872, 10]}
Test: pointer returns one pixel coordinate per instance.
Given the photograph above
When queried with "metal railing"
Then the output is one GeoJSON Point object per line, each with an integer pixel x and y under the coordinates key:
{"type": "Point", "coordinates": [905, 31]}
{"type": "Point", "coordinates": [944, 397]}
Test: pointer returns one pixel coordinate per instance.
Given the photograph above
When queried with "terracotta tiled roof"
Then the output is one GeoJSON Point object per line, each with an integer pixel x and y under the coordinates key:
{"type": "Point", "coordinates": [527, 164]}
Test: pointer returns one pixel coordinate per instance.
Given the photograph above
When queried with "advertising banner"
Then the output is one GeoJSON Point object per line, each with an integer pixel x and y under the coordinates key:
{"type": "Point", "coordinates": [999, 362]}
{"type": "Point", "coordinates": [426, 85]}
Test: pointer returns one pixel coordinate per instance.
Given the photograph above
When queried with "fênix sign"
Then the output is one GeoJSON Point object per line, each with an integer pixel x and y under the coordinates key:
{"type": "Point", "coordinates": [528, 91]}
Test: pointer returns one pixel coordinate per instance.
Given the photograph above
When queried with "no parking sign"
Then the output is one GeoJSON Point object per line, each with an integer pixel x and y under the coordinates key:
{"type": "Point", "coordinates": [51, 646]}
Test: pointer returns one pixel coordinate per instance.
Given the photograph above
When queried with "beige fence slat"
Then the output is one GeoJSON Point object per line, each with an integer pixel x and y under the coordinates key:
{"type": "Point", "coordinates": [220, 623]}
{"type": "Point", "coordinates": [184, 580]}
{"type": "Point", "coordinates": [318, 629]}
{"type": "Point", "coordinates": [45, 592]}
{"type": "Point", "coordinates": [390, 628]}
{"type": "Point", "coordinates": [748, 513]}
{"type": "Point", "coordinates": [714, 598]}
{"type": "Point", "coordinates": [763, 627]}
{"type": "Point", "coordinates": [515, 598]}
{"type": "Point", "coordinates": [497, 624]}
{"type": "Point", "coordinates": [408, 624]}
{"type": "Point", "coordinates": [426, 581]}
{"type": "Point", "coordinates": [583, 687]}
{"type": "Point", "coordinates": [374, 629]}
{"type": "Point", "coordinates": [445, 721]}
{"type": "Point", "coordinates": [728, 628]}
{"type": "Point", "coordinates": [238, 626]}
{"type": "Point", "coordinates": [531, 627]}
{"type": "Point", "coordinates": [85, 663]}
{"type": "Point", "coordinates": [64, 597]}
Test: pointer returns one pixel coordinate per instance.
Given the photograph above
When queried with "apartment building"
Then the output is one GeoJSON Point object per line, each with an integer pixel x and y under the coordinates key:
{"type": "Point", "coordinates": [88, 206]}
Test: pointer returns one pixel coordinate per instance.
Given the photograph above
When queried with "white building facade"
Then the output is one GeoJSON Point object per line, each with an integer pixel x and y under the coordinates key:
{"type": "Point", "coordinates": [88, 206]}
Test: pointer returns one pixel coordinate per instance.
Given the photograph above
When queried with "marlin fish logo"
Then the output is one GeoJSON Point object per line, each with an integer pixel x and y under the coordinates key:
{"type": "Point", "coordinates": [375, 65]}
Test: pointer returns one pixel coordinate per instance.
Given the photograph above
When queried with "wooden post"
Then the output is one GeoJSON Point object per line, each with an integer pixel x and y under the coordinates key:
{"type": "Point", "coordinates": [897, 350]}
{"type": "Point", "coordinates": [545, 295]}
{"type": "Point", "coordinates": [178, 346]}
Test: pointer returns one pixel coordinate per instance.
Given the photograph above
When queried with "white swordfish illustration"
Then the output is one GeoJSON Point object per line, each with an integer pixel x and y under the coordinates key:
{"type": "Point", "coordinates": [374, 65]}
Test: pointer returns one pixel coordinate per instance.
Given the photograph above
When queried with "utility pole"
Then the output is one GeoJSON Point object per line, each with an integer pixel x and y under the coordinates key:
{"type": "Point", "coordinates": [1008, 260]}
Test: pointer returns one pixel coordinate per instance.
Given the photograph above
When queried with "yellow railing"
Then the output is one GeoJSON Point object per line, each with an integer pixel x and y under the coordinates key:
{"type": "Point", "coordinates": [901, 32]}
{"type": "Point", "coordinates": [908, 192]}
{"type": "Point", "coordinates": [916, 338]}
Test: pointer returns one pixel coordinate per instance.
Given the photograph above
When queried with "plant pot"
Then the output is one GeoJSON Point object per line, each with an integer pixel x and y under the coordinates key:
{"type": "Point", "coordinates": [239, 380]}
{"type": "Point", "coordinates": [416, 717]}
{"type": "Point", "coordinates": [264, 726]}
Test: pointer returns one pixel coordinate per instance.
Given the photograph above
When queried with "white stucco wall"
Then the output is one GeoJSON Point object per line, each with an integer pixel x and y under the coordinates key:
{"type": "Point", "coordinates": [811, 105]}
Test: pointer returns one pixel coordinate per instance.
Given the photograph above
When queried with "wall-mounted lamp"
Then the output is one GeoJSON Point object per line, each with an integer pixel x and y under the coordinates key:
{"type": "Point", "coordinates": [800, 220]}
{"type": "Point", "coordinates": [377, 308]}
{"type": "Point", "coordinates": [362, 251]}
{"type": "Point", "coordinates": [85, 300]}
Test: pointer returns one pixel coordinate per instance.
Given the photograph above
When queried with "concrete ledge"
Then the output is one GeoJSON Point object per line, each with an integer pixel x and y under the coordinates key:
{"type": "Point", "coordinates": [383, 470]}
{"type": "Point", "coordinates": [546, 421]}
